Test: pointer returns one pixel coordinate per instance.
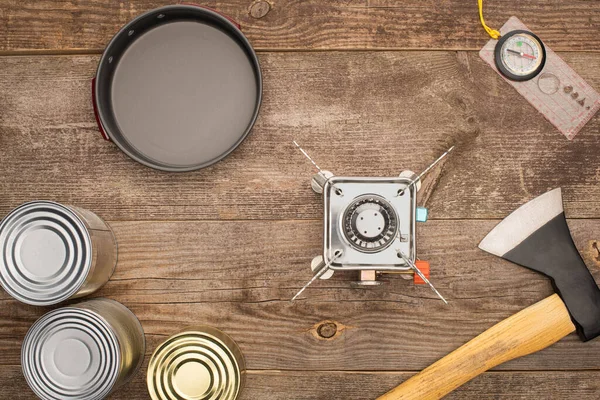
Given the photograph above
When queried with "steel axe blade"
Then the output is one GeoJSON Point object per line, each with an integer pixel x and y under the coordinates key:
{"type": "Point", "coordinates": [536, 236]}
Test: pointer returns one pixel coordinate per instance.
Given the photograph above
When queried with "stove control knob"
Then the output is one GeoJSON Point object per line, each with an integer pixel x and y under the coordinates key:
{"type": "Point", "coordinates": [421, 214]}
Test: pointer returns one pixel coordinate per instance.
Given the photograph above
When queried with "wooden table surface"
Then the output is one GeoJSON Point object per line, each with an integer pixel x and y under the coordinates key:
{"type": "Point", "coordinates": [369, 87]}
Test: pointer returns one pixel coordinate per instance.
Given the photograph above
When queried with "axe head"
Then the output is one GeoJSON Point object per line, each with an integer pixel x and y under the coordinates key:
{"type": "Point", "coordinates": [536, 236]}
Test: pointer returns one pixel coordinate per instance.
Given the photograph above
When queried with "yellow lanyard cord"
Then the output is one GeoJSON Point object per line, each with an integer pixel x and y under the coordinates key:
{"type": "Point", "coordinates": [492, 32]}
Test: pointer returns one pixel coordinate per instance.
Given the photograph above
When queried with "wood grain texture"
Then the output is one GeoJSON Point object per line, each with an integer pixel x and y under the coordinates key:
{"type": "Point", "coordinates": [176, 274]}
{"type": "Point", "coordinates": [59, 25]}
{"type": "Point", "coordinates": [356, 113]}
{"type": "Point", "coordinates": [531, 330]}
{"type": "Point", "coordinates": [318, 385]}
{"type": "Point", "coordinates": [229, 245]}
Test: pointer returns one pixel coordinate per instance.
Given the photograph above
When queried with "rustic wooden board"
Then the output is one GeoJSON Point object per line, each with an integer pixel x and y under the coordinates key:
{"type": "Point", "coordinates": [176, 274]}
{"type": "Point", "coordinates": [87, 25]}
{"type": "Point", "coordinates": [357, 113]}
{"type": "Point", "coordinates": [229, 245]}
{"type": "Point", "coordinates": [278, 385]}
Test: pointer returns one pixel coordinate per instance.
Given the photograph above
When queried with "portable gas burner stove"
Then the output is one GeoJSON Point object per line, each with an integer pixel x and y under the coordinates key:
{"type": "Point", "coordinates": [369, 226]}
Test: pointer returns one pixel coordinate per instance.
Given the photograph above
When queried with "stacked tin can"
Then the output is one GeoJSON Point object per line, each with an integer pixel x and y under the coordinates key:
{"type": "Point", "coordinates": [52, 253]}
{"type": "Point", "coordinates": [200, 363]}
{"type": "Point", "coordinates": [82, 352]}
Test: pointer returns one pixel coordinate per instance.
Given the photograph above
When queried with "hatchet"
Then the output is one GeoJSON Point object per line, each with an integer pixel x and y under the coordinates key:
{"type": "Point", "coordinates": [535, 236]}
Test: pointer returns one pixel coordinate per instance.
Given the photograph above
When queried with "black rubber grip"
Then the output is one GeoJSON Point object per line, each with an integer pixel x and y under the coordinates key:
{"type": "Point", "coordinates": [551, 251]}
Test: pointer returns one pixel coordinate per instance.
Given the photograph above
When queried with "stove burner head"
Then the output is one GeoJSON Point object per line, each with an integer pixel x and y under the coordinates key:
{"type": "Point", "coordinates": [370, 223]}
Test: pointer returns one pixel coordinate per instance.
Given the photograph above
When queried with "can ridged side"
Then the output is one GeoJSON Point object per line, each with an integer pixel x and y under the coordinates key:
{"type": "Point", "coordinates": [201, 363]}
{"type": "Point", "coordinates": [82, 352]}
{"type": "Point", "coordinates": [52, 252]}
{"type": "Point", "coordinates": [104, 251]}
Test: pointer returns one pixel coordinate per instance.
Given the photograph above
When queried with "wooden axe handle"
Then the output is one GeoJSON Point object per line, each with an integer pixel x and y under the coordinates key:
{"type": "Point", "coordinates": [526, 332]}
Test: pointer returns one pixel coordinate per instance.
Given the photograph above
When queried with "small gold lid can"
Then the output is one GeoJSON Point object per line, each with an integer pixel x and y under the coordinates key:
{"type": "Point", "coordinates": [200, 363]}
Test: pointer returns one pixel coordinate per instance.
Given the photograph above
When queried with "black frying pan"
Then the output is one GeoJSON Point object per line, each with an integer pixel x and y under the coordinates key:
{"type": "Point", "coordinates": [178, 88]}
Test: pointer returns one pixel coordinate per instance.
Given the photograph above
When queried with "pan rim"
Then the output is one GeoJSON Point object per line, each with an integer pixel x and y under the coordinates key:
{"type": "Point", "coordinates": [240, 39]}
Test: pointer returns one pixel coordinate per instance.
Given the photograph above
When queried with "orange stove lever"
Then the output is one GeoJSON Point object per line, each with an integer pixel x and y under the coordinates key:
{"type": "Point", "coordinates": [423, 266]}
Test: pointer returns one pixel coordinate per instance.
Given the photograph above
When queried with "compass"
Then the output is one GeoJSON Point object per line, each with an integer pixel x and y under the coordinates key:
{"type": "Point", "coordinates": [520, 55]}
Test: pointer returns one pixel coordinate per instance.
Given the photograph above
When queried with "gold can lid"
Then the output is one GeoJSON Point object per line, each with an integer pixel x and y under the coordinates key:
{"type": "Point", "coordinates": [201, 363]}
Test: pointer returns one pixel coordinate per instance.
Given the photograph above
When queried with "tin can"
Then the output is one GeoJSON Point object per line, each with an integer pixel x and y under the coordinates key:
{"type": "Point", "coordinates": [200, 363]}
{"type": "Point", "coordinates": [52, 252]}
{"type": "Point", "coordinates": [85, 351]}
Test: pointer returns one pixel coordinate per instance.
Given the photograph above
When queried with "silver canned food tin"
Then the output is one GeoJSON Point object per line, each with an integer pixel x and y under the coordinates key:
{"type": "Point", "coordinates": [52, 252]}
{"type": "Point", "coordinates": [200, 363]}
{"type": "Point", "coordinates": [82, 352]}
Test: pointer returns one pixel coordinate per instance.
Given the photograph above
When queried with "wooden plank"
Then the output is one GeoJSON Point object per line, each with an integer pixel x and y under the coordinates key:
{"type": "Point", "coordinates": [239, 276]}
{"type": "Point", "coordinates": [318, 385]}
{"type": "Point", "coordinates": [357, 113]}
{"type": "Point", "coordinates": [58, 25]}
{"type": "Point", "coordinates": [284, 385]}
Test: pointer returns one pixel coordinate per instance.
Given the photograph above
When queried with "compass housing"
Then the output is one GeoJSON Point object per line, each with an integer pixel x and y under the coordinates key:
{"type": "Point", "coordinates": [369, 221]}
{"type": "Point", "coordinates": [506, 55]}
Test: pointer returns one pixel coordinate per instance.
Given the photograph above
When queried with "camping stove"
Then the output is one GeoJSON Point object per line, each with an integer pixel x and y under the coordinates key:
{"type": "Point", "coordinates": [369, 226]}
{"type": "Point", "coordinates": [367, 222]}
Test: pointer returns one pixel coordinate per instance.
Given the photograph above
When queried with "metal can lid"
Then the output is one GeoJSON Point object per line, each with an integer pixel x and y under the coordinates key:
{"type": "Point", "coordinates": [199, 364]}
{"type": "Point", "coordinates": [46, 253]}
{"type": "Point", "coordinates": [71, 353]}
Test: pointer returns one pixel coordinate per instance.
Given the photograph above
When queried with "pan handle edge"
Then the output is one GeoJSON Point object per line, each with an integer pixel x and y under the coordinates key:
{"type": "Point", "coordinates": [96, 113]}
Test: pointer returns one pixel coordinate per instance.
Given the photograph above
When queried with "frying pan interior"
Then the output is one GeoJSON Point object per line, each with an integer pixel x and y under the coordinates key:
{"type": "Point", "coordinates": [178, 88]}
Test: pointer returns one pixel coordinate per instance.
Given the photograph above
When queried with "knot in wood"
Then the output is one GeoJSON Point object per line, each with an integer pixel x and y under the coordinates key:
{"type": "Point", "coordinates": [327, 330]}
{"type": "Point", "coordinates": [596, 251]}
{"type": "Point", "coordinates": [259, 9]}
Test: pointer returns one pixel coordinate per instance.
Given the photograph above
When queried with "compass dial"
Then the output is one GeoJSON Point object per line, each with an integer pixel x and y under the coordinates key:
{"type": "Point", "coordinates": [520, 55]}
{"type": "Point", "coordinates": [370, 223]}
